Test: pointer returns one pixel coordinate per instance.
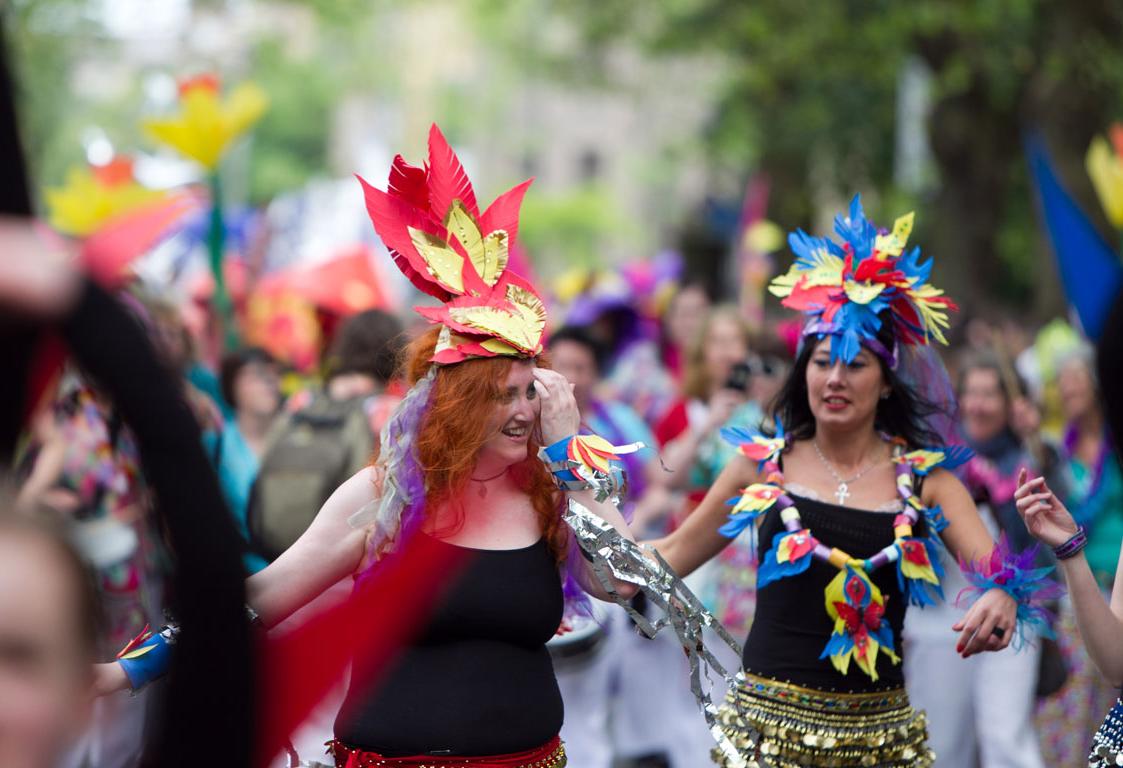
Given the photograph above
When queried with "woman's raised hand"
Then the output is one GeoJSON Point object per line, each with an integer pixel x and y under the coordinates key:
{"type": "Point", "coordinates": [560, 416]}
{"type": "Point", "coordinates": [1045, 516]}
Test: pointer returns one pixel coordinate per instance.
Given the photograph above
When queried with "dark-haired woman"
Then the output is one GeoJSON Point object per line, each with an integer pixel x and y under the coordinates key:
{"type": "Point", "coordinates": [848, 494]}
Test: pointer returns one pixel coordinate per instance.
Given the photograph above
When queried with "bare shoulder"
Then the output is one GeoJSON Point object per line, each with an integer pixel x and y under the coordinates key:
{"type": "Point", "coordinates": [943, 488]}
{"type": "Point", "coordinates": [744, 470]}
{"type": "Point", "coordinates": [363, 485]}
{"type": "Point", "coordinates": [351, 496]}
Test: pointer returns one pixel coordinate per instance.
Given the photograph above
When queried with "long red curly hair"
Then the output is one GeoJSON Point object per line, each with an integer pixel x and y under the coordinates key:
{"type": "Point", "coordinates": [456, 426]}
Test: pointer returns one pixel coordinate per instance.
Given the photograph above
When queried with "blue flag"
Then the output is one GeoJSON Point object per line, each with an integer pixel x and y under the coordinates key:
{"type": "Point", "coordinates": [1090, 269]}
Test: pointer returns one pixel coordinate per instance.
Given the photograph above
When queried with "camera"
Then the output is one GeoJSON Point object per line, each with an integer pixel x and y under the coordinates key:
{"type": "Point", "coordinates": [739, 377]}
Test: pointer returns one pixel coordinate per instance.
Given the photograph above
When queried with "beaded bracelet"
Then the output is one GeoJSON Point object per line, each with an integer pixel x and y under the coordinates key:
{"type": "Point", "coordinates": [1074, 546]}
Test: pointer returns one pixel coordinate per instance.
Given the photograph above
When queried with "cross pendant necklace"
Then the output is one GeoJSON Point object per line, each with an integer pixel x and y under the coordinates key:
{"type": "Point", "coordinates": [842, 493]}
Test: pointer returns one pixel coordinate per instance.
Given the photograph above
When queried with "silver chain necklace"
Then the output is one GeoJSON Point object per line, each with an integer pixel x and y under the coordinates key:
{"type": "Point", "coordinates": [843, 490]}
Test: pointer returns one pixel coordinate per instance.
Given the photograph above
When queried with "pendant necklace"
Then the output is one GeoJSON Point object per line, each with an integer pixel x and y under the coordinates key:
{"type": "Point", "coordinates": [483, 482]}
{"type": "Point", "coordinates": [843, 491]}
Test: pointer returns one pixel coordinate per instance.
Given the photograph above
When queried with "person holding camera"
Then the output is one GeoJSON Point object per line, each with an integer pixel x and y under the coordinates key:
{"type": "Point", "coordinates": [715, 385]}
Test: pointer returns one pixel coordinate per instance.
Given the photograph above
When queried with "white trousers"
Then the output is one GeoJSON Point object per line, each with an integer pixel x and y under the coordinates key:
{"type": "Point", "coordinates": [586, 689]}
{"type": "Point", "coordinates": [980, 710]}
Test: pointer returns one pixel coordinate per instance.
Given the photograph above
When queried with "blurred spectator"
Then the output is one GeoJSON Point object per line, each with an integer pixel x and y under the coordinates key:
{"type": "Point", "coordinates": [716, 384]}
{"type": "Point", "coordinates": [732, 589]}
{"type": "Point", "coordinates": [585, 658]}
{"type": "Point", "coordinates": [577, 355]}
{"type": "Point", "coordinates": [654, 717]}
{"type": "Point", "coordinates": [323, 436]}
{"type": "Point", "coordinates": [362, 362]}
{"type": "Point", "coordinates": [1096, 490]}
{"type": "Point", "coordinates": [681, 324]}
{"type": "Point", "coordinates": [48, 642]}
{"type": "Point", "coordinates": [768, 367]}
{"type": "Point", "coordinates": [640, 354]}
{"type": "Point", "coordinates": [86, 467]}
{"type": "Point", "coordinates": [173, 341]}
{"type": "Point", "coordinates": [1067, 719]}
{"type": "Point", "coordinates": [965, 718]}
{"type": "Point", "coordinates": [327, 435]}
{"type": "Point", "coordinates": [718, 379]}
{"type": "Point", "coordinates": [249, 380]}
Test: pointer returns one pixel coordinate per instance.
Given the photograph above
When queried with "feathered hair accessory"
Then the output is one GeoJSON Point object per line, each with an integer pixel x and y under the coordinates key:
{"type": "Point", "coordinates": [430, 222]}
{"type": "Point", "coordinates": [844, 289]}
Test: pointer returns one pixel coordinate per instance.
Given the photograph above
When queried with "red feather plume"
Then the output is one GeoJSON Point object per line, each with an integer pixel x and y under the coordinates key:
{"type": "Point", "coordinates": [409, 183]}
{"type": "Point", "coordinates": [391, 215]}
{"type": "Point", "coordinates": [503, 213]}
{"type": "Point", "coordinates": [447, 179]}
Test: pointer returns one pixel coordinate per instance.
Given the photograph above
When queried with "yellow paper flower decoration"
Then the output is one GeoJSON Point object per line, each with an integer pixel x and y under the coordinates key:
{"type": "Point", "coordinates": [94, 195]}
{"type": "Point", "coordinates": [1105, 167]}
{"type": "Point", "coordinates": [207, 124]}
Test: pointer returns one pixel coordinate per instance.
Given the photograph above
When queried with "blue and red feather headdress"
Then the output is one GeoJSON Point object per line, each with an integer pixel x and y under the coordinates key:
{"type": "Point", "coordinates": [847, 289]}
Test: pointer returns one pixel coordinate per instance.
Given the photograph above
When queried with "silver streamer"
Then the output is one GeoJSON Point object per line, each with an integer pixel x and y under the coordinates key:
{"type": "Point", "coordinates": [615, 557]}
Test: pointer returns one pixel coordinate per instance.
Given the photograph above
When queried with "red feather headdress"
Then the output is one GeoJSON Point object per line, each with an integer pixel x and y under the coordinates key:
{"type": "Point", "coordinates": [430, 222]}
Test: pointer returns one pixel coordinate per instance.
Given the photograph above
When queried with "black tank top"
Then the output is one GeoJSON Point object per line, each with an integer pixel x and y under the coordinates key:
{"type": "Point", "coordinates": [791, 626]}
{"type": "Point", "coordinates": [478, 680]}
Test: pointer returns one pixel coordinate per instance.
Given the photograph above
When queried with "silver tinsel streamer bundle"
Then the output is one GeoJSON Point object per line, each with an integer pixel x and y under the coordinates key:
{"type": "Point", "coordinates": [614, 556]}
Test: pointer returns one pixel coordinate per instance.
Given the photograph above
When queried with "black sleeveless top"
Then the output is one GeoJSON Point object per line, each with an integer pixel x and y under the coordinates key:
{"type": "Point", "coordinates": [791, 626]}
{"type": "Point", "coordinates": [478, 680]}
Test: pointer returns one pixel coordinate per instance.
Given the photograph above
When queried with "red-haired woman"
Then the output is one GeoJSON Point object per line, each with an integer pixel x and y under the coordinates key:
{"type": "Point", "coordinates": [460, 463]}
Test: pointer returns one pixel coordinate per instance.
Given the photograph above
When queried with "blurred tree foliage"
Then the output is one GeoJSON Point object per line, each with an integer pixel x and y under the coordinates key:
{"type": "Point", "coordinates": [290, 142]}
{"type": "Point", "coordinates": [572, 228]}
{"type": "Point", "coordinates": [811, 99]}
{"type": "Point", "coordinates": [51, 41]}
{"type": "Point", "coordinates": [44, 41]}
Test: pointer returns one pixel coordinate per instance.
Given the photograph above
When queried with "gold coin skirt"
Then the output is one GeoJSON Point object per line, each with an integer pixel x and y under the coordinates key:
{"type": "Point", "coordinates": [780, 725]}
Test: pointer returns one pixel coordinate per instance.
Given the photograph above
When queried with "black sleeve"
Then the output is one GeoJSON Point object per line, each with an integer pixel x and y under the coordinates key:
{"type": "Point", "coordinates": [1109, 367]}
{"type": "Point", "coordinates": [208, 706]}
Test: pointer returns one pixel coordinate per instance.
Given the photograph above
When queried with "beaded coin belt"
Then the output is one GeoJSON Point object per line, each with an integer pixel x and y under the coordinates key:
{"type": "Point", "coordinates": [1107, 744]}
{"type": "Point", "coordinates": [549, 755]}
{"type": "Point", "coordinates": [780, 725]}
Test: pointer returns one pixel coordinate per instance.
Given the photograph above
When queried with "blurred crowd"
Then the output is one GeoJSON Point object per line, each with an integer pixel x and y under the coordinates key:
{"type": "Point", "coordinates": [654, 358]}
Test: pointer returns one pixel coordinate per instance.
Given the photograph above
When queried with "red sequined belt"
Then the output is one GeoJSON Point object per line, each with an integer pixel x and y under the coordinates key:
{"type": "Point", "coordinates": [549, 755]}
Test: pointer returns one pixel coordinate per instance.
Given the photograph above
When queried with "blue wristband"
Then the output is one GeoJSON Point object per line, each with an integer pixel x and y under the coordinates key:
{"type": "Point", "coordinates": [557, 460]}
{"type": "Point", "coordinates": [148, 657]}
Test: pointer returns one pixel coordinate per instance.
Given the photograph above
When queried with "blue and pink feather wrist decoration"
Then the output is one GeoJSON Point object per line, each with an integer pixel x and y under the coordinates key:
{"type": "Point", "coordinates": [1015, 574]}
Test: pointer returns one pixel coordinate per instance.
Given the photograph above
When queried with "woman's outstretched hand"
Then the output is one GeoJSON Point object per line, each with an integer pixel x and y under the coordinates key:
{"type": "Point", "coordinates": [560, 416]}
{"type": "Point", "coordinates": [989, 624]}
{"type": "Point", "coordinates": [1045, 516]}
